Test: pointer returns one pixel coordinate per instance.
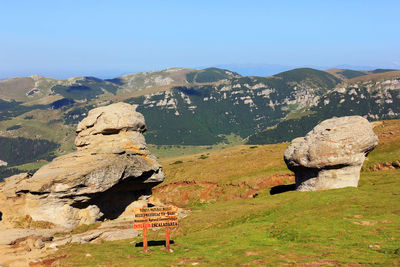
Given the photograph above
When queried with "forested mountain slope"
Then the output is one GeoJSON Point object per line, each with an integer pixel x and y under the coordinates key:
{"type": "Point", "coordinates": [195, 107]}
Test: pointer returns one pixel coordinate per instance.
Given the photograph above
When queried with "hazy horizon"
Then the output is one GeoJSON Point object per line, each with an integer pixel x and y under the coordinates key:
{"type": "Point", "coordinates": [107, 39]}
{"type": "Point", "coordinates": [249, 69]}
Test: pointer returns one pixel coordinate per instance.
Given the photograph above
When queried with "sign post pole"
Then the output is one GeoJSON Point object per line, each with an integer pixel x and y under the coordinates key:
{"type": "Point", "coordinates": [145, 240]}
{"type": "Point", "coordinates": [167, 239]}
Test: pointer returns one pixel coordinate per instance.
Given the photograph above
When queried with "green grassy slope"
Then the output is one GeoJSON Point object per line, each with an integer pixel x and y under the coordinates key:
{"type": "Point", "coordinates": [38, 134]}
{"type": "Point", "coordinates": [387, 153]}
{"type": "Point", "coordinates": [9, 110]}
{"type": "Point", "coordinates": [348, 74]}
{"type": "Point", "coordinates": [33, 89]}
{"type": "Point", "coordinates": [85, 88]}
{"type": "Point", "coordinates": [16, 88]}
{"type": "Point", "coordinates": [209, 75]}
{"type": "Point", "coordinates": [349, 226]}
{"type": "Point", "coordinates": [344, 226]}
{"type": "Point", "coordinates": [320, 78]}
{"type": "Point", "coordinates": [382, 70]}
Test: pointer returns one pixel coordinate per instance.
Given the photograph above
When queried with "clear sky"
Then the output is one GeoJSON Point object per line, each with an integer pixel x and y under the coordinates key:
{"type": "Point", "coordinates": [61, 39]}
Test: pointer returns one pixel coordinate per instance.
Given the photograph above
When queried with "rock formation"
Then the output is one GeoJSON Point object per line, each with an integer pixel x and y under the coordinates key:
{"type": "Point", "coordinates": [331, 155]}
{"type": "Point", "coordinates": [110, 170]}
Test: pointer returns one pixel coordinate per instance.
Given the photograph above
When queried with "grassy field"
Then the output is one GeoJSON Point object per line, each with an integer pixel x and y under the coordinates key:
{"type": "Point", "coordinates": [387, 153]}
{"type": "Point", "coordinates": [235, 164]}
{"type": "Point", "coordinates": [376, 76]}
{"type": "Point", "coordinates": [31, 166]}
{"type": "Point", "coordinates": [172, 151]}
{"type": "Point", "coordinates": [236, 221]}
{"type": "Point", "coordinates": [42, 124]}
{"type": "Point", "coordinates": [344, 226]}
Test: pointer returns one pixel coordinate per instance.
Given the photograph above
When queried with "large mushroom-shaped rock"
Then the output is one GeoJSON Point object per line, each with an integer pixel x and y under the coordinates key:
{"type": "Point", "coordinates": [111, 170]}
{"type": "Point", "coordinates": [331, 155]}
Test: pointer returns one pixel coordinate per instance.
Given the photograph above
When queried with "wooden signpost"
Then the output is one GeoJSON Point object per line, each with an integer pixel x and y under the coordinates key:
{"type": "Point", "coordinates": [155, 217]}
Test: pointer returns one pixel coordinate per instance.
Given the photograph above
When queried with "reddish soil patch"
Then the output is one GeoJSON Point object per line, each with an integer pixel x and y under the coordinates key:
{"type": "Point", "coordinates": [320, 263]}
{"type": "Point", "coordinates": [365, 223]}
{"type": "Point", "coordinates": [184, 192]}
{"type": "Point", "coordinates": [46, 262]}
{"type": "Point", "coordinates": [252, 253]}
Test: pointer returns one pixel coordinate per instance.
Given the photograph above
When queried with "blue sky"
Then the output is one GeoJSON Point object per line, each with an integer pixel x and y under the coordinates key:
{"type": "Point", "coordinates": [108, 38]}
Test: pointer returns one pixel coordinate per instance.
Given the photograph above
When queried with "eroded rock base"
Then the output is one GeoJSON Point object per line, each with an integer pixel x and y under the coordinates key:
{"type": "Point", "coordinates": [328, 178]}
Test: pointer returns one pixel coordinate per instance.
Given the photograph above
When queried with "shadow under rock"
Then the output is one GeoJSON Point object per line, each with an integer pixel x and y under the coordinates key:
{"type": "Point", "coordinates": [113, 202]}
{"type": "Point", "coordinates": [154, 243]}
{"type": "Point", "coordinates": [282, 189]}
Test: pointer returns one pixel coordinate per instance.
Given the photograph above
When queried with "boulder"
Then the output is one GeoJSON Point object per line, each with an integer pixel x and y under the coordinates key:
{"type": "Point", "coordinates": [119, 234]}
{"type": "Point", "coordinates": [110, 170]}
{"type": "Point", "coordinates": [331, 155]}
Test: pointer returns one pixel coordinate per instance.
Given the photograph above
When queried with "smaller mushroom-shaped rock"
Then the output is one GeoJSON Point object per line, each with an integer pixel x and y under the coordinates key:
{"type": "Point", "coordinates": [331, 155]}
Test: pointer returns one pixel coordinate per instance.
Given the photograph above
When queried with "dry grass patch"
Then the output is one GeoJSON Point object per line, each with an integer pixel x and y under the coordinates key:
{"type": "Point", "coordinates": [227, 174]}
{"type": "Point", "coordinates": [387, 154]}
{"type": "Point", "coordinates": [27, 222]}
{"type": "Point", "coordinates": [235, 164]}
{"type": "Point", "coordinates": [376, 76]}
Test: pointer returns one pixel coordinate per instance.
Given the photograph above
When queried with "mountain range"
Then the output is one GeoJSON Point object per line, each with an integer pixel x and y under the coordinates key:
{"type": "Point", "coordinates": [190, 107]}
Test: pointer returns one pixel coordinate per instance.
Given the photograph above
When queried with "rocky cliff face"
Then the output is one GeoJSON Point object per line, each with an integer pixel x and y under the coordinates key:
{"type": "Point", "coordinates": [249, 105]}
{"type": "Point", "coordinates": [331, 155]}
{"type": "Point", "coordinates": [111, 170]}
{"type": "Point", "coordinates": [373, 99]}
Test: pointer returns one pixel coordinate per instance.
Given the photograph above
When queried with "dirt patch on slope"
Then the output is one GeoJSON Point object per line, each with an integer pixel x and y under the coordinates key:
{"type": "Point", "coordinates": [182, 193]}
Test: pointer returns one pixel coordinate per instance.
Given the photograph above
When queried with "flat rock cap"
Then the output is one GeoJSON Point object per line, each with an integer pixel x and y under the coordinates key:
{"type": "Point", "coordinates": [112, 119]}
{"type": "Point", "coordinates": [336, 141]}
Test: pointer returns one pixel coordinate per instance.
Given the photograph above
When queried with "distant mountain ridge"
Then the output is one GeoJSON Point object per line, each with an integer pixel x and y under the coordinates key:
{"type": "Point", "coordinates": [204, 114]}
{"type": "Point", "coordinates": [198, 107]}
{"type": "Point", "coordinates": [35, 88]}
{"type": "Point", "coordinates": [375, 96]}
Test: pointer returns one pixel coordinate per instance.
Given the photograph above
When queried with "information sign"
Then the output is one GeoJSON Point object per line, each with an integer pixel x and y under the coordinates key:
{"type": "Point", "coordinates": [155, 217]}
